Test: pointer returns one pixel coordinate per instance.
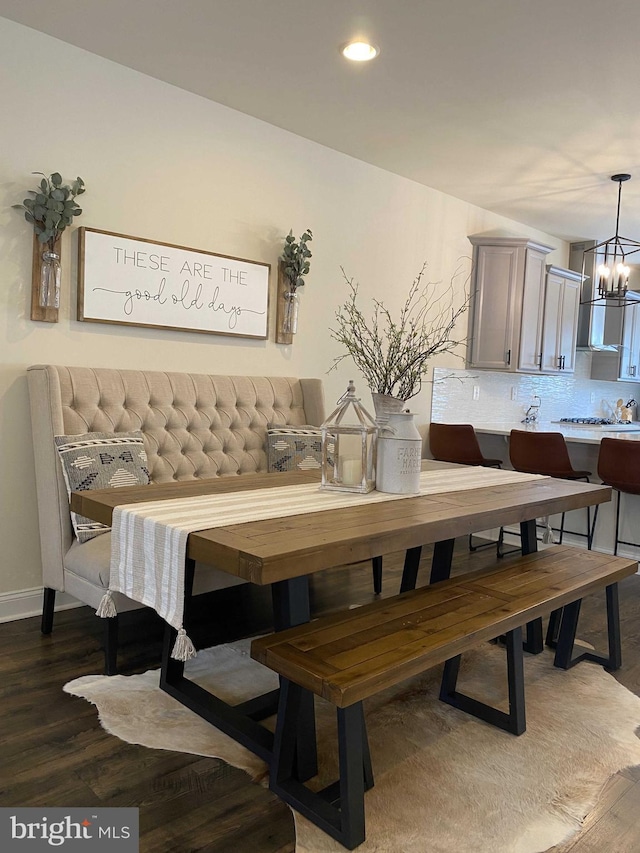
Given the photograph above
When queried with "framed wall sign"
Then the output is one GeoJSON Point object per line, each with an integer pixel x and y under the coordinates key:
{"type": "Point", "coordinates": [137, 282]}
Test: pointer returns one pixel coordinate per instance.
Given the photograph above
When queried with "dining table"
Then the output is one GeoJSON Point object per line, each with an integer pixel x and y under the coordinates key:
{"type": "Point", "coordinates": [285, 552]}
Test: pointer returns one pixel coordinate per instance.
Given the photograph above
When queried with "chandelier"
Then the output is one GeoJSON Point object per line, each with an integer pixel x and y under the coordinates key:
{"type": "Point", "coordinates": [609, 260]}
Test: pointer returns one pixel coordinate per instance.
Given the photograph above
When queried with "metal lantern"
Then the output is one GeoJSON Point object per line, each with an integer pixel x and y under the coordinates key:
{"type": "Point", "coordinates": [349, 438]}
{"type": "Point", "coordinates": [609, 260]}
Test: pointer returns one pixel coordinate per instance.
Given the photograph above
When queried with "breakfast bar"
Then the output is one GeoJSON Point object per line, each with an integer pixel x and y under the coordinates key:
{"type": "Point", "coordinates": [583, 441]}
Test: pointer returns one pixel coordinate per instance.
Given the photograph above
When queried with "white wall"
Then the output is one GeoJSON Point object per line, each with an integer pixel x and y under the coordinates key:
{"type": "Point", "coordinates": [163, 164]}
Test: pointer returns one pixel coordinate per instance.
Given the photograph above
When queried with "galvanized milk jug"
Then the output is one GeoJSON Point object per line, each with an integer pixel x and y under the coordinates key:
{"type": "Point", "coordinates": [399, 453]}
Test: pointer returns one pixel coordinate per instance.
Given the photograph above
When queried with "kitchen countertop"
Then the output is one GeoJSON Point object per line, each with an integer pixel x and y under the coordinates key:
{"type": "Point", "coordinates": [578, 434]}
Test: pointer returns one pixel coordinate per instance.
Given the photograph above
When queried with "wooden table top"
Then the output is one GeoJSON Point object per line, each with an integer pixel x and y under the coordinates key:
{"type": "Point", "coordinates": [277, 549]}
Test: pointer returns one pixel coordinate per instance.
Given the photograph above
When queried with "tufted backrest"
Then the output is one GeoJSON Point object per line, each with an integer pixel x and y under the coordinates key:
{"type": "Point", "coordinates": [194, 425]}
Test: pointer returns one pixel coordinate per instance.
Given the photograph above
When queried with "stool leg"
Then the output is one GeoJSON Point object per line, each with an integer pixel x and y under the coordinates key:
{"type": "Point", "coordinates": [619, 496]}
{"type": "Point", "coordinates": [595, 519]}
{"type": "Point", "coordinates": [499, 553]}
{"type": "Point", "coordinates": [561, 529]}
{"type": "Point", "coordinates": [589, 540]}
{"type": "Point", "coordinates": [376, 566]}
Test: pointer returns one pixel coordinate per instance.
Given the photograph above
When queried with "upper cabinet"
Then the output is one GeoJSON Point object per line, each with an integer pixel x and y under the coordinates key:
{"type": "Point", "coordinates": [623, 363]}
{"type": "Point", "coordinates": [507, 314]}
{"type": "Point", "coordinates": [560, 323]}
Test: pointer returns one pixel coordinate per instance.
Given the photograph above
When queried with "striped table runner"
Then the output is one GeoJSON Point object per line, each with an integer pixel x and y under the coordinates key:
{"type": "Point", "coordinates": [149, 540]}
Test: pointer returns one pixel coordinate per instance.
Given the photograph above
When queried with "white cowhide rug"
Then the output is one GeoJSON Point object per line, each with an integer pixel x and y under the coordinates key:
{"type": "Point", "coordinates": [445, 782]}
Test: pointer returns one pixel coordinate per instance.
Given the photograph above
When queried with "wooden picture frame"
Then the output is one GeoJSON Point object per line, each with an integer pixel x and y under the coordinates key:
{"type": "Point", "coordinates": [133, 281]}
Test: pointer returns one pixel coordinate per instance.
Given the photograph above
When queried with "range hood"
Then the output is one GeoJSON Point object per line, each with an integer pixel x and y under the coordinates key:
{"type": "Point", "coordinates": [598, 330]}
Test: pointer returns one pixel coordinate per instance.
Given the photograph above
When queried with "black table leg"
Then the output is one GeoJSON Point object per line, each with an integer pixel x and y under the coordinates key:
{"type": "Point", "coordinates": [534, 642]}
{"type": "Point", "coordinates": [240, 721]}
{"type": "Point", "coordinates": [410, 570]}
{"type": "Point", "coordinates": [528, 536]}
{"type": "Point", "coordinates": [441, 560]}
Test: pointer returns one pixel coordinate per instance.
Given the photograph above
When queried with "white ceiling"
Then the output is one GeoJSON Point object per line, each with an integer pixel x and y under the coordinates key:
{"type": "Point", "coordinates": [524, 107]}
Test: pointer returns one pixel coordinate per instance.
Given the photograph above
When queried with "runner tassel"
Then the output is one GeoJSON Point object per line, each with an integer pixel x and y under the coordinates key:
{"type": "Point", "coordinates": [107, 607]}
{"type": "Point", "coordinates": [183, 648]}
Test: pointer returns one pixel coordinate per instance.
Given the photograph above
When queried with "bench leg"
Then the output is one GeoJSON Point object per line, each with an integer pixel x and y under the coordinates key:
{"type": "Point", "coordinates": [533, 644]}
{"type": "Point", "coordinates": [514, 721]}
{"type": "Point", "coordinates": [566, 638]}
{"type": "Point", "coordinates": [337, 809]}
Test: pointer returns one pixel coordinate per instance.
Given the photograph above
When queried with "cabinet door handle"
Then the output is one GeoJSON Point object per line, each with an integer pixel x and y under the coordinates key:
{"type": "Point", "coordinates": [632, 370]}
{"type": "Point", "coordinates": [539, 359]}
{"type": "Point", "coordinates": [563, 358]}
{"type": "Point", "coordinates": [559, 362]}
{"type": "Point", "coordinates": [508, 356]}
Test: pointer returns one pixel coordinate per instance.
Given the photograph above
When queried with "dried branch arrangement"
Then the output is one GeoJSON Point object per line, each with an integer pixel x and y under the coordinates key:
{"type": "Point", "coordinates": [393, 356]}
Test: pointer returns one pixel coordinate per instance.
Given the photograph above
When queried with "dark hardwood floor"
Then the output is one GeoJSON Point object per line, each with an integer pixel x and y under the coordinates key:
{"type": "Point", "coordinates": [55, 753]}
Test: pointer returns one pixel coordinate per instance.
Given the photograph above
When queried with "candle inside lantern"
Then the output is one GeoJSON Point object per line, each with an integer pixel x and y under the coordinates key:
{"type": "Point", "coordinates": [603, 279]}
{"type": "Point", "coordinates": [623, 277]}
{"type": "Point", "coordinates": [352, 472]}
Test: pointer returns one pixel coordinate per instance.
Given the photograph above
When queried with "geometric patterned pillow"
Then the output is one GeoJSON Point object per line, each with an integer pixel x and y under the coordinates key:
{"type": "Point", "coordinates": [296, 448]}
{"type": "Point", "coordinates": [99, 460]}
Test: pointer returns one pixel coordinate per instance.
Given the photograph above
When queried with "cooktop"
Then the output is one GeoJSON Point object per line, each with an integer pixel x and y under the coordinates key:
{"type": "Point", "coordinates": [586, 421]}
{"type": "Point", "coordinates": [600, 423]}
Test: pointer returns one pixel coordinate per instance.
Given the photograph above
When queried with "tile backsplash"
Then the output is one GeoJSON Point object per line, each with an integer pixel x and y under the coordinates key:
{"type": "Point", "coordinates": [482, 396]}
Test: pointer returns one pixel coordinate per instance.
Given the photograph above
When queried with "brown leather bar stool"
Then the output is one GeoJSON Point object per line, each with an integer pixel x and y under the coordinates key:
{"type": "Point", "coordinates": [459, 443]}
{"type": "Point", "coordinates": [546, 453]}
{"type": "Point", "coordinates": [619, 467]}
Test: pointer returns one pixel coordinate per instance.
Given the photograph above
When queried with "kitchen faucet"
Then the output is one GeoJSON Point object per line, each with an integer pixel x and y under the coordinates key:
{"type": "Point", "coordinates": [531, 415]}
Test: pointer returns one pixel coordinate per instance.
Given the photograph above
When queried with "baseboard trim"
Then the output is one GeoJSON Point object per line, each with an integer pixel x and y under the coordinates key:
{"type": "Point", "coordinates": [28, 602]}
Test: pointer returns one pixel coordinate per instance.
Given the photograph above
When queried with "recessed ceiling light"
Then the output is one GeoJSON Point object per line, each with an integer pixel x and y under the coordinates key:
{"type": "Point", "coordinates": [359, 51]}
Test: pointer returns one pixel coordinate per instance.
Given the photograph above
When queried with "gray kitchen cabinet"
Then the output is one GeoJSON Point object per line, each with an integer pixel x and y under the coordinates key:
{"type": "Point", "coordinates": [621, 324]}
{"type": "Point", "coordinates": [506, 318]}
{"type": "Point", "coordinates": [560, 322]}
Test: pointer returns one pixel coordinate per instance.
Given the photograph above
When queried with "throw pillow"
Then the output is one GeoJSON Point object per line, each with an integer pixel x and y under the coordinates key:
{"type": "Point", "coordinates": [294, 448]}
{"type": "Point", "coordinates": [100, 460]}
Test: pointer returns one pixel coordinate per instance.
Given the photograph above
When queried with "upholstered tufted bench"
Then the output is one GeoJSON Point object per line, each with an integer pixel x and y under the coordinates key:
{"type": "Point", "coordinates": [193, 425]}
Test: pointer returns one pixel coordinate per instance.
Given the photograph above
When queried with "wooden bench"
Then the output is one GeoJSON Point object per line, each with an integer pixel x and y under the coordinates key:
{"type": "Point", "coordinates": [349, 656]}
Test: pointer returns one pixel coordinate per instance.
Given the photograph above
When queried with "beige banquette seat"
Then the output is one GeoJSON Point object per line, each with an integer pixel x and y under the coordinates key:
{"type": "Point", "coordinates": [194, 426]}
